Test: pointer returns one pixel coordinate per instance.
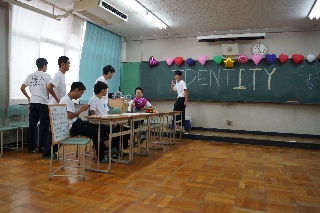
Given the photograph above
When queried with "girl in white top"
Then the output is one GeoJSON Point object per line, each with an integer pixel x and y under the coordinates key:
{"type": "Point", "coordinates": [182, 98]}
{"type": "Point", "coordinates": [57, 86]}
{"type": "Point", "coordinates": [133, 106]}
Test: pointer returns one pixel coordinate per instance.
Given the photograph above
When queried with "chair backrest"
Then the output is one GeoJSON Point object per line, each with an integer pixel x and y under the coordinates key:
{"type": "Point", "coordinates": [16, 110]}
{"type": "Point", "coordinates": [59, 123]}
{"type": "Point", "coordinates": [114, 110]}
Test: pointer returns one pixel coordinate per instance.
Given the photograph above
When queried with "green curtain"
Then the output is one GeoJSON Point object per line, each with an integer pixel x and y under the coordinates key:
{"type": "Point", "coordinates": [100, 48]}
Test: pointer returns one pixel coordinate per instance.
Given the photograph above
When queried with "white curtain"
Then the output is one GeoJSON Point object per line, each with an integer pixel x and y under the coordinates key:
{"type": "Point", "coordinates": [32, 36]}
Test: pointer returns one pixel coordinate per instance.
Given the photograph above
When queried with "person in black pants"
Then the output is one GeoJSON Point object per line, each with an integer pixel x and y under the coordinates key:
{"type": "Point", "coordinates": [182, 98]}
{"type": "Point", "coordinates": [98, 106]}
{"type": "Point", "coordinates": [37, 83]}
{"type": "Point", "coordinates": [77, 125]}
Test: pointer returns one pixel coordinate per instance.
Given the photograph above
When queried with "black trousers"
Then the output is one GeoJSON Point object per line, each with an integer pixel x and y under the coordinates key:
{"type": "Point", "coordinates": [38, 112]}
{"type": "Point", "coordinates": [179, 106]}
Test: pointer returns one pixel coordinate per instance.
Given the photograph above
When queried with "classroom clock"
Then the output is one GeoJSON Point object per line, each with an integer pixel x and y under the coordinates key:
{"type": "Point", "coordinates": [259, 49]}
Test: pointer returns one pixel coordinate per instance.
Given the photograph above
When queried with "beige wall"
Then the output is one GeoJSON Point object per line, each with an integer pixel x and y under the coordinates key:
{"type": "Point", "coordinates": [285, 118]}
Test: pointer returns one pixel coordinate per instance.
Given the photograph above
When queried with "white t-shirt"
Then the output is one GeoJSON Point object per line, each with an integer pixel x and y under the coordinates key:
{"type": "Point", "coordinates": [59, 82]}
{"type": "Point", "coordinates": [102, 79]}
{"type": "Point", "coordinates": [70, 107]}
{"type": "Point", "coordinates": [98, 105]}
{"type": "Point", "coordinates": [180, 87]}
{"type": "Point", "coordinates": [147, 105]}
{"type": "Point", "coordinates": [37, 83]}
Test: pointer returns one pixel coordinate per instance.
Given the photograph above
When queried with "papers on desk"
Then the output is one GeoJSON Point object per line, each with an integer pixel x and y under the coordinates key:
{"type": "Point", "coordinates": [134, 113]}
{"type": "Point", "coordinates": [130, 113]}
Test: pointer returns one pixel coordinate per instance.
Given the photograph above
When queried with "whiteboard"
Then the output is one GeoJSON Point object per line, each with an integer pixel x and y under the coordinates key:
{"type": "Point", "coordinates": [58, 122]}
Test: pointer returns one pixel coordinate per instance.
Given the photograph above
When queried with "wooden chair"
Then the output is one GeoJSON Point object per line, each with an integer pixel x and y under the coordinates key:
{"type": "Point", "coordinates": [18, 111]}
{"type": "Point", "coordinates": [59, 125]}
{"type": "Point", "coordinates": [4, 129]}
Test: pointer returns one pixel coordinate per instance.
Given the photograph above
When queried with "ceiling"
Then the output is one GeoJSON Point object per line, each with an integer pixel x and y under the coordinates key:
{"type": "Point", "coordinates": [187, 18]}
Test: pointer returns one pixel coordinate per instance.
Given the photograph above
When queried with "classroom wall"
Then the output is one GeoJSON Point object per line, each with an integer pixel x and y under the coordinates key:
{"type": "Point", "coordinates": [4, 68]}
{"type": "Point", "coordinates": [268, 117]}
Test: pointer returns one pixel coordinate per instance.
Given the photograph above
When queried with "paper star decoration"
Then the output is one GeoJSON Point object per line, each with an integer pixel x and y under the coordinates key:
{"type": "Point", "coordinates": [228, 63]}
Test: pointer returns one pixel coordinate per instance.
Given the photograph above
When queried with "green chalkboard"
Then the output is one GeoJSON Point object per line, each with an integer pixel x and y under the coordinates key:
{"type": "Point", "coordinates": [277, 82]}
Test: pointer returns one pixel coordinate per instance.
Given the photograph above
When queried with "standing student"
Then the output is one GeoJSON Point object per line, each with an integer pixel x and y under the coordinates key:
{"type": "Point", "coordinates": [37, 83]}
{"type": "Point", "coordinates": [57, 86]}
{"type": "Point", "coordinates": [107, 74]}
{"type": "Point", "coordinates": [182, 98]}
{"type": "Point", "coordinates": [77, 125]}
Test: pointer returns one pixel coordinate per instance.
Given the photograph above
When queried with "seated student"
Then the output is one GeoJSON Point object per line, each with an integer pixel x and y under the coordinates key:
{"type": "Point", "coordinates": [76, 125]}
{"type": "Point", "coordinates": [138, 104]}
{"type": "Point", "coordinates": [98, 106]}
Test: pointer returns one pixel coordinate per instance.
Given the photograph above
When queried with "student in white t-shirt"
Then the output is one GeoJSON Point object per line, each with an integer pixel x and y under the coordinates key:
{"type": "Point", "coordinates": [107, 72]}
{"type": "Point", "coordinates": [37, 83]}
{"type": "Point", "coordinates": [181, 102]}
{"type": "Point", "coordinates": [98, 106]}
{"type": "Point", "coordinates": [77, 125]}
{"type": "Point", "coordinates": [57, 86]}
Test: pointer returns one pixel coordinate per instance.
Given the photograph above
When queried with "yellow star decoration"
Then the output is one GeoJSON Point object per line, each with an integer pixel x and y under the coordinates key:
{"type": "Point", "coordinates": [228, 63]}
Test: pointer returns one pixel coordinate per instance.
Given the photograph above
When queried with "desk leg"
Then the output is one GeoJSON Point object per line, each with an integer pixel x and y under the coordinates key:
{"type": "Point", "coordinates": [98, 157]}
{"type": "Point", "coordinates": [173, 121]}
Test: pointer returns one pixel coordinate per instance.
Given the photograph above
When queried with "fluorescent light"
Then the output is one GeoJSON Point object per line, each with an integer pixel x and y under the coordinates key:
{"type": "Point", "coordinates": [315, 11]}
{"type": "Point", "coordinates": [135, 6]}
{"type": "Point", "coordinates": [152, 18]}
{"type": "Point", "coordinates": [139, 8]}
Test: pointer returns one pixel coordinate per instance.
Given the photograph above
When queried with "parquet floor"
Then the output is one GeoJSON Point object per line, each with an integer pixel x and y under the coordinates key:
{"type": "Point", "coordinates": [190, 176]}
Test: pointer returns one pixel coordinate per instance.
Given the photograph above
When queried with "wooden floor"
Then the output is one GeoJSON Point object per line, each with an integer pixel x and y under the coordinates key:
{"type": "Point", "coordinates": [190, 176]}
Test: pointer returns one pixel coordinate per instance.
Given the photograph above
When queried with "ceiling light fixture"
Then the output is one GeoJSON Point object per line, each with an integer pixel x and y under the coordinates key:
{"type": "Point", "coordinates": [315, 11]}
{"type": "Point", "coordinates": [139, 8]}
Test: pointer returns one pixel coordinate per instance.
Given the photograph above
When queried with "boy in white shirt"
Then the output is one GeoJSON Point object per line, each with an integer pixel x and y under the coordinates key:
{"type": "Point", "coordinates": [108, 72]}
{"type": "Point", "coordinates": [98, 106]}
{"type": "Point", "coordinates": [76, 125]}
{"type": "Point", "coordinates": [57, 86]}
{"type": "Point", "coordinates": [37, 83]}
{"type": "Point", "coordinates": [182, 98]}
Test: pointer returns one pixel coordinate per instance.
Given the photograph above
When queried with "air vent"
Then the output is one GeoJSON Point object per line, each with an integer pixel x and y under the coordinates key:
{"type": "Point", "coordinates": [97, 11]}
{"type": "Point", "coordinates": [114, 10]}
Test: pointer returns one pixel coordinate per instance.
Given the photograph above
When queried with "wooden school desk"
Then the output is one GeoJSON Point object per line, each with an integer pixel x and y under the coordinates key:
{"type": "Point", "coordinates": [111, 120]}
{"type": "Point", "coordinates": [124, 119]}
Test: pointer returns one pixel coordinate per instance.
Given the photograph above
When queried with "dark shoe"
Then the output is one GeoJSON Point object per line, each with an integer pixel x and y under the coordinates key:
{"type": "Point", "coordinates": [142, 139]}
{"type": "Point", "coordinates": [35, 152]}
{"type": "Point", "coordinates": [114, 157]}
{"type": "Point", "coordinates": [49, 157]}
{"type": "Point", "coordinates": [105, 160]}
{"type": "Point", "coordinates": [113, 151]}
